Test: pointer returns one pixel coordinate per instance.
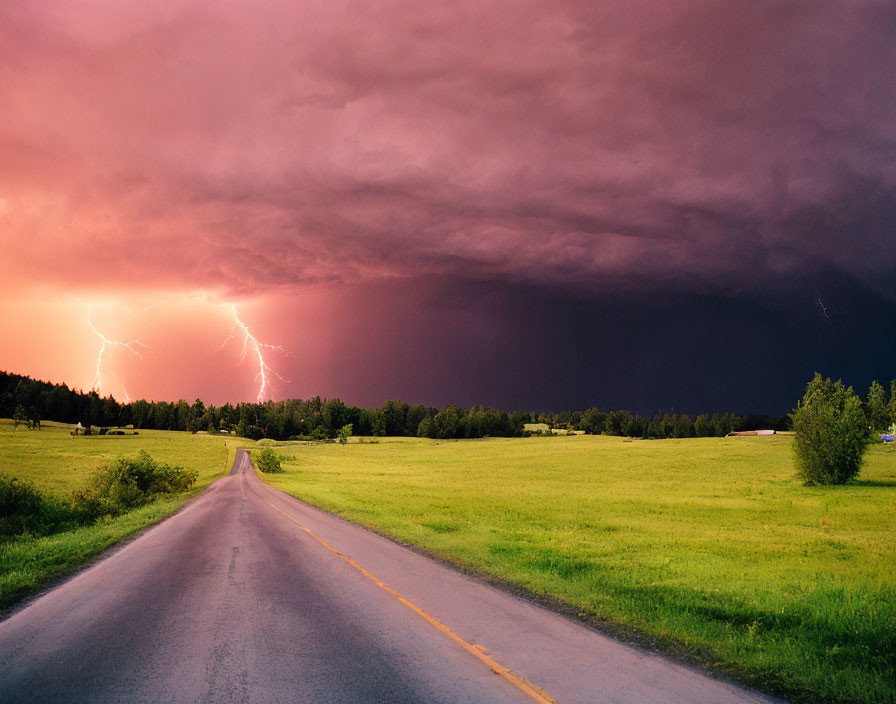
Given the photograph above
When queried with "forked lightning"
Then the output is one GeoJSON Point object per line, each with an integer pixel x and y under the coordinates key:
{"type": "Point", "coordinates": [130, 346]}
{"type": "Point", "coordinates": [249, 340]}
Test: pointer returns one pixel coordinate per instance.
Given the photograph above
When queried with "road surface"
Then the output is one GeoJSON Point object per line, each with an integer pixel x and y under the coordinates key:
{"type": "Point", "coordinates": [248, 595]}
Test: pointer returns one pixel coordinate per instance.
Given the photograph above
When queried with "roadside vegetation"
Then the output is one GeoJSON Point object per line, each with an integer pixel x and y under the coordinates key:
{"type": "Point", "coordinates": [116, 488]}
{"type": "Point", "coordinates": [268, 461]}
{"type": "Point", "coordinates": [708, 547]}
{"type": "Point", "coordinates": [64, 499]}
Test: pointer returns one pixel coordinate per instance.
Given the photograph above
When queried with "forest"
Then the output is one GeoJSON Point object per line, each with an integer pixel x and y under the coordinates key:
{"type": "Point", "coordinates": [320, 419]}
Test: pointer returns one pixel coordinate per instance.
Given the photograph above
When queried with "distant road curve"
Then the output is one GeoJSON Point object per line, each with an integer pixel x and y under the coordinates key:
{"type": "Point", "coordinates": [248, 595]}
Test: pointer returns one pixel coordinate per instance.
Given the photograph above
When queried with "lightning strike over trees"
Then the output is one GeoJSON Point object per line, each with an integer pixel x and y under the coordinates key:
{"type": "Point", "coordinates": [130, 346]}
{"type": "Point", "coordinates": [250, 341]}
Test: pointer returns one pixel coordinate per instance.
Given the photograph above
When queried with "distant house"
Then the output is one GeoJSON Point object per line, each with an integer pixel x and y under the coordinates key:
{"type": "Point", "coordinates": [80, 429]}
{"type": "Point", "coordinates": [752, 432]}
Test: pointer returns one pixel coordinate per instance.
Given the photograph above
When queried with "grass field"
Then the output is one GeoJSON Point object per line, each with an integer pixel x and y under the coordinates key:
{"type": "Point", "coordinates": [706, 547]}
{"type": "Point", "coordinates": [54, 461]}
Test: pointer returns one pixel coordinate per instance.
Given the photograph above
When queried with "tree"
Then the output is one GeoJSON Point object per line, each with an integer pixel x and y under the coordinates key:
{"type": "Point", "coordinates": [182, 415]}
{"type": "Point", "coordinates": [334, 414]}
{"type": "Point", "coordinates": [683, 426]}
{"type": "Point", "coordinates": [702, 428]}
{"type": "Point", "coordinates": [611, 424]}
{"type": "Point", "coordinates": [891, 407]}
{"type": "Point", "coordinates": [726, 424]}
{"type": "Point", "coordinates": [426, 429]}
{"type": "Point", "coordinates": [415, 416]}
{"type": "Point", "coordinates": [242, 426]}
{"type": "Point", "coordinates": [831, 433]}
{"type": "Point", "coordinates": [377, 423]}
{"type": "Point", "coordinates": [162, 416]}
{"type": "Point", "coordinates": [517, 421]}
{"type": "Point", "coordinates": [633, 428]}
{"type": "Point", "coordinates": [20, 417]}
{"type": "Point", "coordinates": [30, 418]}
{"type": "Point", "coordinates": [447, 423]}
{"type": "Point", "coordinates": [876, 406]}
{"type": "Point", "coordinates": [345, 432]}
{"type": "Point", "coordinates": [195, 416]}
{"type": "Point", "coordinates": [395, 414]}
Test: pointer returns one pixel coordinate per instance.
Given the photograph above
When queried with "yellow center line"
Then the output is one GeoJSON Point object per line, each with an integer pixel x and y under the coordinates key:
{"type": "Point", "coordinates": [528, 688]}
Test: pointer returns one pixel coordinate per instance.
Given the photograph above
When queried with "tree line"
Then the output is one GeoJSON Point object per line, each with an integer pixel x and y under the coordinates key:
{"type": "Point", "coordinates": [319, 418]}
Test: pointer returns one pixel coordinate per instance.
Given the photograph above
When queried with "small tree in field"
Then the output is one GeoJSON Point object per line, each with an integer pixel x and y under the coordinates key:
{"type": "Point", "coordinates": [831, 433]}
{"type": "Point", "coordinates": [30, 418]}
{"type": "Point", "coordinates": [19, 417]}
{"type": "Point", "coordinates": [345, 432]}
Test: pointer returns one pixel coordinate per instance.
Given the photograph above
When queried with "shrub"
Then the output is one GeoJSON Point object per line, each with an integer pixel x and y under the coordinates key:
{"type": "Point", "coordinates": [24, 509]}
{"type": "Point", "coordinates": [127, 483]}
{"type": "Point", "coordinates": [121, 485]}
{"type": "Point", "coordinates": [831, 433]}
{"type": "Point", "coordinates": [268, 461]}
{"type": "Point", "coordinates": [319, 434]}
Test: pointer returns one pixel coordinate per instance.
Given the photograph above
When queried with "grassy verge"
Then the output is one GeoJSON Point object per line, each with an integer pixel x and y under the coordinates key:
{"type": "Point", "coordinates": [56, 462]}
{"type": "Point", "coordinates": [706, 547]}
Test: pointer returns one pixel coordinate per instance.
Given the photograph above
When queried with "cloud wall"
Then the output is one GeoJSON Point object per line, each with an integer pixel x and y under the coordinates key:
{"type": "Point", "coordinates": [277, 151]}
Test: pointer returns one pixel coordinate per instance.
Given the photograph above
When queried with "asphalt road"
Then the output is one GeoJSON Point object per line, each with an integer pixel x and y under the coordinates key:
{"type": "Point", "coordinates": [248, 595]}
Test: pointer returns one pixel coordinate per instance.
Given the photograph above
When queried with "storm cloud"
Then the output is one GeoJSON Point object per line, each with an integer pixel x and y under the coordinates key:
{"type": "Point", "coordinates": [242, 147]}
{"type": "Point", "coordinates": [743, 152]}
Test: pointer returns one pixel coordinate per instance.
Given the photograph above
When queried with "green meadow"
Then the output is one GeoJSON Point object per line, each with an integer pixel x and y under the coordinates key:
{"type": "Point", "coordinates": [708, 548]}
{"type": "Point", "coordinates": [56, 462]}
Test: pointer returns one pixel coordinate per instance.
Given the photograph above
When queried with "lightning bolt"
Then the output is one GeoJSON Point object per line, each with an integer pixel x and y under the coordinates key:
{"type": "Point", "coordinates": [252, 342]}
{"type": "Point", "coordinates": [104, 341]}
{"type": "Point", "coordinates": [823, 308]}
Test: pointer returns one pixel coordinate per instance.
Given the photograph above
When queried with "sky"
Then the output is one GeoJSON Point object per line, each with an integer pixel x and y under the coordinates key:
{"type": "Point", "coordinates": [533, 205]}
